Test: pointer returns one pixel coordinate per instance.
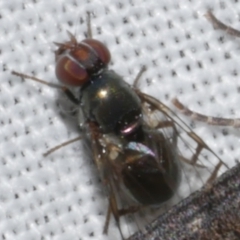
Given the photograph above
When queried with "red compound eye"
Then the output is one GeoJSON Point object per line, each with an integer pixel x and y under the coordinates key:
{"type": "Point", "coordinates": [101, 50]}
{"type": "Point", "coordinates": [76, 62]}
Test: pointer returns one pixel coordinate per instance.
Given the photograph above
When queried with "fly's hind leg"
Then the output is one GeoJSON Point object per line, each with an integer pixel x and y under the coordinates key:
{"type": "Point", "coordinates": [118, 213]}
{"type": "Point", "coordinates": [155, 105]}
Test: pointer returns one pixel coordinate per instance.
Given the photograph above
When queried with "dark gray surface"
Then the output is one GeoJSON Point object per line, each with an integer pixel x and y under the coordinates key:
{"type": "Point", "coordinates": [211, 213]}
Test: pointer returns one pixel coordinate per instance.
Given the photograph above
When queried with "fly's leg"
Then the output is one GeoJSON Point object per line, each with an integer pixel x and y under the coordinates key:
{"type": "Point", "coordinates": [104, 161]}
{"type": "Point", "coordinates": [199, 148]}
{"type": "Point", "coordinates": [220, 25]}
{"type": "Point", "coordinates": [118, 213]}
{"type": "Point", "coordinates": [61, 145]}
{"type": "Point", "coordinates": [204, 118]}
{"type": "Point", "coordinates": [112, 209]}
{"type": "Point", "coordinates": [201, 145]}
{"type": "Point", "coordinates": [137, 78]}
{"type": "Point", "coordinates": [155, 105]}
{"type": "Point", "coordinates": [89, 26]}
{"type": "Point", "coordinates": [66, 91]}
{"type": "Point", "coordinates": [69, 95]}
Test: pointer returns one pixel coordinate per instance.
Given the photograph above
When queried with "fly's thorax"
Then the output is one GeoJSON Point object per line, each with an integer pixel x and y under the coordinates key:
{"type": "Point", "coordinates": [110, 102]}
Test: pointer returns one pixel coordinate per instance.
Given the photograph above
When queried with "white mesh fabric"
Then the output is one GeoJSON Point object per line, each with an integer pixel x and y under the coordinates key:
{"type": "Point", "coordinates": [59, 197]}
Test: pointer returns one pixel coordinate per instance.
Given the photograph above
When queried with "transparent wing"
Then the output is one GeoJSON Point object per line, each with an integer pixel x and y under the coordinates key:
{"type": "Point", "coordinates": [199, 164]}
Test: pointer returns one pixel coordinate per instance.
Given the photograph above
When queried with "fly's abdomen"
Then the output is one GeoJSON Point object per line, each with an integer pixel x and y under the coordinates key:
{"type": "Point", "coordinates": [151, 172]}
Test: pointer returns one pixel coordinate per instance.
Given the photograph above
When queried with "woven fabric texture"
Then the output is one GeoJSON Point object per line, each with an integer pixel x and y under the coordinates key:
{"type": "Point", "coordinates": [60, 197]}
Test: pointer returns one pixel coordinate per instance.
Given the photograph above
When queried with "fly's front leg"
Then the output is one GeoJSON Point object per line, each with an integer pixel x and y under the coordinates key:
{"type": "Point", "coordinates": [66, 90]}
{"type": "Point", "coordinates": [69, 95]}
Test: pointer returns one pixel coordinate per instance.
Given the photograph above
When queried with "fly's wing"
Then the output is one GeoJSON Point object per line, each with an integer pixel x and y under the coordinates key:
{"type": "Point", "coordinates": [199, 164]}
{"type": "Point", "coordinates": [110, 156]}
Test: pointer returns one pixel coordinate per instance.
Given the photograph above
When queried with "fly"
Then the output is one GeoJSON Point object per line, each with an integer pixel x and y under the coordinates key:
{"type": "Point", "coordinates": [134, 137]}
